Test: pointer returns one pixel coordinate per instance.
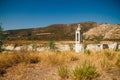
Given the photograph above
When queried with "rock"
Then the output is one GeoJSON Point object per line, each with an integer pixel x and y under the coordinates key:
{"type": "Point", "coordinates": [113, 46]}
{"type": "Point", "coordinates": [30, 48]}
{"type": "Point", "coordinates": [24, 48]}
{"type": "Point", "coordinates": [9, 47]}
{"type": "Point", "coordinates": [41, 49]}
{"type": "Point", "coordinates": [63, 47]}
{"type": "Point", "coordinates": [113, 33]}
{"type": "Point", "coordinates": [96, 47]}
{"type": "Point", "coordinates": [105, 31]}
{"type": "Point", "coordinates": [18, 48]}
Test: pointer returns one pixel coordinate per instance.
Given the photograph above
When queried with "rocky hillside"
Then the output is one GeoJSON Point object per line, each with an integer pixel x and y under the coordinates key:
{"type": "Point", "coordinates": [90, 30]}
{"type": "Point", "coordinates": [104, 31]}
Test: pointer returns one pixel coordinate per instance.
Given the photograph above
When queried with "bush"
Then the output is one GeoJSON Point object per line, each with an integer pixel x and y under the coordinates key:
{"type": "Point", "coordinates": [33, 59]}
{"type": "Point", "coordinates": [87, 52]}
{"type": "Point", "coordinates": [118, 50]}
{"type": "Point", "coordinates": [2, 71]}
{"type": "Point", "coordinates": [63, 72]}
{"type": "Point", "coordinates": [74, 58]}
{"type": "Point", "coordinates": [71, 46]}
{"type": "Point", "coordinates": [8, 60]}
{"type": "Point", "coordinates": [52, 45]}
{"type": "Point", "coordinates": [118, 61]}
{"type": "Point", "coordinates": [109, 55]}
{"type": "Point", "coordinates": [55, 59]}
{"type": "Point", "coordinates": [19, 57]}
{"type": "Point", "coordinates": [85, 72]}
{"type": "Point", "coordinates": [98, 39]}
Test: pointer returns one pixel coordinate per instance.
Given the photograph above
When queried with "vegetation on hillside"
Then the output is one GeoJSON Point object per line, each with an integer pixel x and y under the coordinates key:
{"type": "Point", "coordinates": [55, 31]}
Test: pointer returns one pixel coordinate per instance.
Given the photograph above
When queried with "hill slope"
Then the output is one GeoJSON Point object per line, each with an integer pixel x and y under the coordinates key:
{"type": "Point", "coordinates": [90, 30]}
{"type": "Point", "coordinates": [105, 31]}
{"type": "Point", "coordinates": [52, 32]}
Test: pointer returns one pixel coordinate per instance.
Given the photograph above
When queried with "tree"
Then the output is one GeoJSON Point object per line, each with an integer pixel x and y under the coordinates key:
{"type": "Point", "coordinates": [1, 37]}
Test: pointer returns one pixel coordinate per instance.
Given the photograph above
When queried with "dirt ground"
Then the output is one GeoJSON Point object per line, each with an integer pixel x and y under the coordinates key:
{"type": "Point", "coordinates": [31, 72]}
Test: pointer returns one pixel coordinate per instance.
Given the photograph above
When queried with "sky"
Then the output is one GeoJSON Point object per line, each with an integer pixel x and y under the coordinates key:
{"type": "Point", "coordinates": [19, 14]}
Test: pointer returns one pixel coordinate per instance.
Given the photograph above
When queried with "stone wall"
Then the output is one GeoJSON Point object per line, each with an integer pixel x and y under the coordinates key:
{"type": "Point", "coordinates": [60, 47]}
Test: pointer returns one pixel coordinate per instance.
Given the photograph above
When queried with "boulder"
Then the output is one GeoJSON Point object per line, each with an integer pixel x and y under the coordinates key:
{"type": "Point", "coordinates": [63, 47]}
{"type": "Point", "coordinates": [113, 46]}
{"type": "Point", "coordinates": [18, 48]}
{"type": "Point", "coordinates": [96, 47]}
{"type": "Point", "coordinates": [9, 47]}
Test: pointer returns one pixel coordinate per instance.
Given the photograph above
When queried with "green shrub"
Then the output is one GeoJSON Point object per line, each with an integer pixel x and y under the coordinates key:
{"type": "Point", "coordinates": [118, 50]}
{"type": "Point", "coordinates": [71, 46]}
{"type": "Point", "coordinates": [63, 72]}
{"type": "Point", "coordinates": [85, 72]}
{"type": "Point", "coordinates": [98, 39]}
{"type": "Point", "coordinates": [118, 61]}
{"type": "Point", "coordinates": [109, 55]}
{"type": "Point", "coordinates": [52, 45]}
{"type": "Point", "coordinates": [87, 52]}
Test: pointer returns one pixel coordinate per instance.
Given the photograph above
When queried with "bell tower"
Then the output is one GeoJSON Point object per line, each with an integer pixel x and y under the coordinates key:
{"type": "Point", "coordinates": [78, 39]}
{"type": "Point", "coordinates": [78, 35]}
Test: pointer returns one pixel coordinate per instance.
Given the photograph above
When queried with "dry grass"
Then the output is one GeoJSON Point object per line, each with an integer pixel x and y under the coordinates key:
{"type": "Point", "coordinates": [104, 61]}
{"type": "Point", "coordinates": [11, 59]}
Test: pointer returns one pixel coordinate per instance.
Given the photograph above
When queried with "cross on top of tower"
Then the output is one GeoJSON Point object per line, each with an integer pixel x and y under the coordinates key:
{"type": "Point", "coordinates": [79, 28]}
